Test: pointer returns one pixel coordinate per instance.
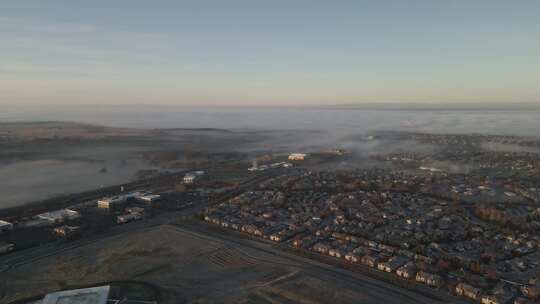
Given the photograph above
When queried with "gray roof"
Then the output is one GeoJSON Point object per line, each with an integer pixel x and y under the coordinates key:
{"type": "Point", "coordinates": [94, 295]}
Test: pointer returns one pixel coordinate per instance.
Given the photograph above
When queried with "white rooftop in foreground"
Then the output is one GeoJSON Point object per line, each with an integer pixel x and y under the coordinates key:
{"type": "Point", "coordinates": [5, 224]}
{"type": "Point", "coordinates": [94, 295]}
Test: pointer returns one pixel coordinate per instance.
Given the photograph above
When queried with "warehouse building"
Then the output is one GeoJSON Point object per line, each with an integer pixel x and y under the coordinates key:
{"type": "Point", "coordinates": [94, 295]}
{"type": "Point", "coordinates": [5, 226]}
{"type": "Point", "coordinates": [111, 202]}
{"type": "Point", "coordinates": [59, 216]}
{"type": "Point", "coordinates": [148, 198]}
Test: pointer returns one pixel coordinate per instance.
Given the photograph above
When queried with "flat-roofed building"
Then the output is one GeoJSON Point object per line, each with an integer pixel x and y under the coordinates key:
{"type": "Point", "coordinates": [297, 156]}
{"type": "Point", "coordinates": [5, 226]}
{"type": "Point", "coordinates": [59, 216]}
{"type": "Point", "coordinates": [110, 202]}
{"type": "Point", "coordinates": [148, 198]}
{"type": "Point", "coordinates": [94, 295]}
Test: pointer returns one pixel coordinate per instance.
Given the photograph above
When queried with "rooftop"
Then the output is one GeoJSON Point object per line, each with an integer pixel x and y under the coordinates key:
{"type": "Point", "coordinates": [94, 295]}
{"type": "Point", "coordinates": [4, 223]}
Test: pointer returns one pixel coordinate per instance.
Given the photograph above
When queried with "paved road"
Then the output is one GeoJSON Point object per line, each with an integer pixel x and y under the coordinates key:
{"type": "Point", "coordinates": [20, 258]}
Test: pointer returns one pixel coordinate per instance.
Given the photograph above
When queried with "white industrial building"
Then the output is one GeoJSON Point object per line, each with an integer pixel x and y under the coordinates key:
{"type": "Point", "coordinates": [5, 226]}
{"type": "Point", "coordinates": [147, 197]}
{"type": "Point", "coordinates": [59, 216]}
{"type": "Point", "coordinates": [112, 202]}
{"type": "Point", "coordinates": [94, 295]}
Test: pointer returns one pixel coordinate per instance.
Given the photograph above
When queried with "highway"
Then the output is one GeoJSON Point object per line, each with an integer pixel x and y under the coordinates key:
{"type": "Point", "coordinates": [19, 258]}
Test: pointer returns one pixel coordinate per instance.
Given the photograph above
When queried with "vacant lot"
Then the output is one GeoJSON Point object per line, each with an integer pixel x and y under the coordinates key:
{"type": "Point", "coordinates": [190, 268]}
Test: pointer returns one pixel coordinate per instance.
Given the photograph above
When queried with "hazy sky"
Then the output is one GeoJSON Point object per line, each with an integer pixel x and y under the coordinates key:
{"type": "Point", "coordinates": [271, 52]}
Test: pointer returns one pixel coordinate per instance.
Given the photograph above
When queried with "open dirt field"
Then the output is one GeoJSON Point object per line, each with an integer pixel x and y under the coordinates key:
{"type": "Point", "coordinates": [188, 268]}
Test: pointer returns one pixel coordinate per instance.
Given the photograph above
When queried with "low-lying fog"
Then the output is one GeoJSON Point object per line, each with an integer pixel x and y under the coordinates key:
{"type": "Point", "coordinates": [27, 181]}
{"type": "Point", "coordinates": [352, 121]}
{"type": "Point", "coordinates": [278, 130]}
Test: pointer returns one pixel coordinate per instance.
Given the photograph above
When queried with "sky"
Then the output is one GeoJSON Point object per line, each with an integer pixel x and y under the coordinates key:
{"type": "Point", "coordinates": [278, 52]}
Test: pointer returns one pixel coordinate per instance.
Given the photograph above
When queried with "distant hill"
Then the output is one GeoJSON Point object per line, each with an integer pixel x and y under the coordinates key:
{"type": "Point", "coordinates": [463, 106]}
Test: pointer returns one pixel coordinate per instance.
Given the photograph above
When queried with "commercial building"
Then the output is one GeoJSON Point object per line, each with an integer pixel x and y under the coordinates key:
{"type": "Point", "coordinates": [148, 198]}
{"type": "Point", "coordinates": [5, 226]}
{"type": "Point", "coordinates": [59, 216]}
{"type": "Point", "coordinates": [111, 202]}
{"type": "Point", "coordinates": [298, 156]}
{"type": "Point", "coordinates": [94, 295]}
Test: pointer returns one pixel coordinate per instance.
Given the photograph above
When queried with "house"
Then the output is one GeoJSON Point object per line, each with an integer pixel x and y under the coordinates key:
{"type": "Point", "coordinates": [352, 257]}
{"type": "Point", "coordinates": [392, 264]}
{"type": "Point", "coordinates": [422, 277]}
{"type": "Point", "coordinates": [429, 279]}
{"type": "Point", "coordinates": [336, 252]}
{"type": "Point", "coordinates": [5, 226]}
{"type": "Point", "coordinates": [370, 260]}
{"type": "Point", "coordinates": [321, 248]}
{"type": "Point", "coordinates": [407, 271]}
{"type": "Point", "coordinates": [248, 228]}
{"type": "Point", "coordinates": [466, 290]}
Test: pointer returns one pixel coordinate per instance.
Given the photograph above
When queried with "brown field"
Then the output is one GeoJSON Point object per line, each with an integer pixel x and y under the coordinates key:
{"type": "Point", "coordinates": [189, 268]}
